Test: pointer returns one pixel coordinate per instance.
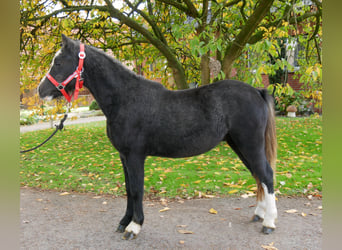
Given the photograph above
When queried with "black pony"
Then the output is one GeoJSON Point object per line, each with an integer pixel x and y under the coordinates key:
{"type": "Point", "coordinates": [144, 118]}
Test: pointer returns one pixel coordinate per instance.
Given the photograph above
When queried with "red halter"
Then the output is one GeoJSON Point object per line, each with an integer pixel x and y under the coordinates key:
{"type": "Point", "coordinates": [77, 74]}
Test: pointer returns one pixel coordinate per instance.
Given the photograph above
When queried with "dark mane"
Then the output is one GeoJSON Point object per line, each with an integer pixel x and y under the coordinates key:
{"type": "Point", "coordinates": [102, 58]}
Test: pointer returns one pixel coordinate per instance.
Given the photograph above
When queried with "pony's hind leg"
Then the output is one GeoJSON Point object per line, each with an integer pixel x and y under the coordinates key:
{"type": "Point", "coordinates": [251, 151]}
{"type": "Point", "coordinates": [266, 206]}
{"type": "Point", "coordinates": [259, 213]}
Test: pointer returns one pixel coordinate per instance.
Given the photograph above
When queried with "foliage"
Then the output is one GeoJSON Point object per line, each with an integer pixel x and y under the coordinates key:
{"type": "Point", "coordinates": [67, 163]}
{"type": "Point", "coordinates": [285, 96]}
{"type": "Point", "coordinates": [28, 119]}
{"type": "Point", "coordinates": [174, 37]}
{"type": "Point", "coordinates": [94, 106]}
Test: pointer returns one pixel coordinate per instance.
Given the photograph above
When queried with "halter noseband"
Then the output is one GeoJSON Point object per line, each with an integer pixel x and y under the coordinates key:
{"type": "Point", "coordinates": [77, 74]}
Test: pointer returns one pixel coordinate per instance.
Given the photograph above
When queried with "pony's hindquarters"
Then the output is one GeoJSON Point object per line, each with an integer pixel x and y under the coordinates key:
{"type": "Point", "coordinates": [252, 136]}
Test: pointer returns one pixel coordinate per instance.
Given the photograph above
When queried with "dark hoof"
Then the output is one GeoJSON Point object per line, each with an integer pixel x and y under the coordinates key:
{"type": "Point", "coordinates": [120, 229]}
{"type": "Point", "coordinates": [129, 236]}
{"type": "Point", "coordinates": [267, 230]}
{"type": "Point", "coordinates": [256, 218]}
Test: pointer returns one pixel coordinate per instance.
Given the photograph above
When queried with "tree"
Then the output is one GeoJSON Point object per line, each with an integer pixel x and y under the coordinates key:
{"type": "Point", "coordinates": [184, 33]}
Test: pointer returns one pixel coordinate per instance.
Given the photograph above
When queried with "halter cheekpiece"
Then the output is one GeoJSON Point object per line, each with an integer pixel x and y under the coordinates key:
{"type": "Point", "coordinates": [77, 74]}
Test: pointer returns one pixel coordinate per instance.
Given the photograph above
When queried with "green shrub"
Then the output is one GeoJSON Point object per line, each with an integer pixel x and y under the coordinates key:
{"type": "Point", "coordinates": [28, 119]}
{"type": "Point", "coordinates": [285, 96]}
{"type": "Point", "coordinates": [94, 106]}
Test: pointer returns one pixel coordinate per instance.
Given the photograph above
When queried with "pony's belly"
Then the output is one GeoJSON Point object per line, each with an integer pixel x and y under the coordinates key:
{"type": "Point", "coordinates": [182, 149]}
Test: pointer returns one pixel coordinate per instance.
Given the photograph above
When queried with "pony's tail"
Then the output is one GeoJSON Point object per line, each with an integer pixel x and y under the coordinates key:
{"type": "Point", "coordinates": [270, 132]}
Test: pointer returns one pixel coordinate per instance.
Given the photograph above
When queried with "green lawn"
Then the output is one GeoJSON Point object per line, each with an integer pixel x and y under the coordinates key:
{"type": "Point", "coordinates": [82, 159]}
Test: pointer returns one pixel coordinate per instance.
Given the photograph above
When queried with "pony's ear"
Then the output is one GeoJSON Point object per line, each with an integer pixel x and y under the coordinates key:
{"type": "Point", "coordinates": [65, 40]}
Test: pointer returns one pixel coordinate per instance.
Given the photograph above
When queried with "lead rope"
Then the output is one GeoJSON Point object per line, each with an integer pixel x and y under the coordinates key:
{"type": "Point", "coordinates": [60, 126]}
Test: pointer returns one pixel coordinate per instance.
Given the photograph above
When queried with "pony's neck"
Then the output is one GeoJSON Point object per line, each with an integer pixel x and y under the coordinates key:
{"type": "Point", "coordinates": [106, 79]}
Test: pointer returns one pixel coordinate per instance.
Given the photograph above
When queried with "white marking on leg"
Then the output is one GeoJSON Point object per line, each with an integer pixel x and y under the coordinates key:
{"type": "Point", "coordinates": [133, 228]}
{"type": "Point", "coordinates": [271, 213]}
{"type": "Point", "coordinates": [261, 208]}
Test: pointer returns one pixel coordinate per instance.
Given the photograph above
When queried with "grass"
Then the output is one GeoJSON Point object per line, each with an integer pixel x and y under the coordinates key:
{"type": "Point", "coordinates": [82, 159]}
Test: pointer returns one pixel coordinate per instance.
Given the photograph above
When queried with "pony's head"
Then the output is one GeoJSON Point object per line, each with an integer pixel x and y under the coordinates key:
{"type": "Point", "coordinates": [62, 76]}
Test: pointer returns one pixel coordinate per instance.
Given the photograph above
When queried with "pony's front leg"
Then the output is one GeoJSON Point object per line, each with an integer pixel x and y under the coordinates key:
{"type": "Point", "coordinates": [135, 181]}
{"type": "Point", "coordinates": [129, 209]}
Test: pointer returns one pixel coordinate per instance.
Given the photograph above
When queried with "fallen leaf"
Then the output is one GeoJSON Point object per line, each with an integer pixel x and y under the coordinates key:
{"type": "Point", "coordinates": [97, 197]}
{"type": "Point", "coordinates": [164, 209]}
{"type": "Point", "coordinates": [163, 202]}
{"type": "Point", "coordinates": [182, 226]}
{"type": "Point", "coordinates": [39, 199]}
{"type": "Point", "coordinates": [233, 191]}
{"type": "Point", "coordinates": [303, 214]}
{"type": "Point", "coordinates": [291, 211]}
{"type": "Point", "coordinates": [269, 247]}
{"type": "Point", "coordinates": [212, 211]}
{"type": "Point", "coordinates": [64, 193]}
{"type": "Point", "coordinates": [237, 208]}
{"type": "Point", "coordinates": [182, 231]}
{"type": "Point", "coordinates": [181, 242]}
{"type": "Point", "coordinates": [209, 196]}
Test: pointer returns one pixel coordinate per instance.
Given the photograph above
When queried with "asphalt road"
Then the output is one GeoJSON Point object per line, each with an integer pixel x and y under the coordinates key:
{"type": "Point", "coordinates": [53, 220]}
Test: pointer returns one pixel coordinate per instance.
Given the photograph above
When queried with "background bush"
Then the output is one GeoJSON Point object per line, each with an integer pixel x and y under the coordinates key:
{"type": "Point", "coordinates": [94, 106]}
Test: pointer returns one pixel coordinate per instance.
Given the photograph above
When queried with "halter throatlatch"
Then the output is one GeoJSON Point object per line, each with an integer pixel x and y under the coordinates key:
{"type": "Point", "coordinates": [77, 74]}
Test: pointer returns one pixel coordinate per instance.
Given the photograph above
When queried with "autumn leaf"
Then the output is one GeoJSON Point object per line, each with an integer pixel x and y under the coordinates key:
{"type": "Point", "coordinates": [164, 209]}
{"type": "Point", "coordinates": [182, 231]}
{"type": "Point", "coordinates": [291, 211]}
{"type": "Point", "coordinates": [64, 193]}
{"type": "Point", "coordinates": [269, 247]}
{"type": "Point", "coordinates": [233, 191]}
{"type": "Point", "coordinates": [209, 196]}
{"type": "Point", "coordinates": [212, 211]}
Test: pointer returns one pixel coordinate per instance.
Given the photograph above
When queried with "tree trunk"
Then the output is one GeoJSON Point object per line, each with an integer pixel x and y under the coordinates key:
{"type": "Point", "coordinates": [205, 70]}
{"type": "Point", "coordinates": [235, 49]}
{"type": "Point", "coordinates": [179, 76]}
